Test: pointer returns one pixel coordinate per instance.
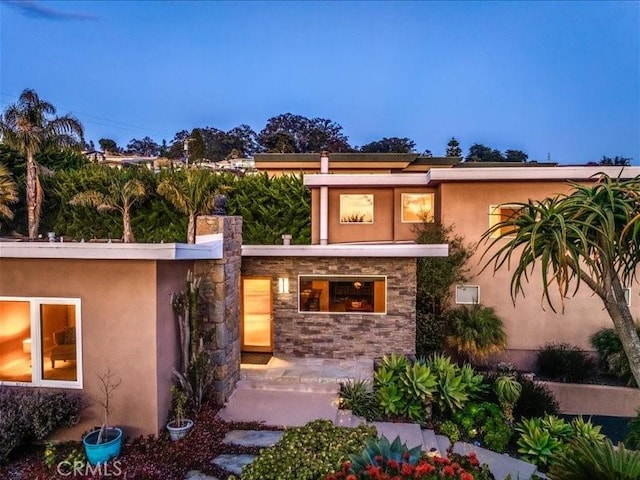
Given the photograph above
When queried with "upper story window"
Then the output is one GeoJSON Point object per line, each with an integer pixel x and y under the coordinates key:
{"type": "Point", "coordinates": [417, 207]}
{"type": "Point", "coordinates": [40, 342]}
{"type": "Point", "coordinates": [356, 208]}
{"type": "Point", "coordinates": [352, 294]}
{"type": "Point", "coordinates": [502, 213]}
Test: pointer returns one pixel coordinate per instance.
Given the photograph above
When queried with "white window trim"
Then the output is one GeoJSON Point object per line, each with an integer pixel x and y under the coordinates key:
{"type": "Point", "coordinates": [386, 294]}
{"type": "Point", "coordinates": [495, 211]}
{"type": "Point", "coordinates": [627, 295]}
{"type": "Point", "coordinates": [36, 342]}
{"type": "Point", "coordinates": [477, 287]}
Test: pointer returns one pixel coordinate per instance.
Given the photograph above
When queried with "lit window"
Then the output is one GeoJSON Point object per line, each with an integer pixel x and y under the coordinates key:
{"type": "Point", "coordinates": [627, 295]}
{"type": "Point", "coordinates": [502, 213]}
{"type": "Point", "coordinates": [336, 294]}
{"type": "Point", "coordinates": [40, 342]}
{"type": "Point", "coordinates": [356, 208]}
{"type": "Point", "coordinates": [417, 207]}
{"type": "Point", "coordinates": [467, 294]}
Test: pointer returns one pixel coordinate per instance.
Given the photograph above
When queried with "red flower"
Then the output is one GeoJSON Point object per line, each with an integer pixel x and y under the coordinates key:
{"type": "Point", "coordinates": [474, 461]}
{"type": "Point", "coordinates": [406, 456]}
{"type": "Point", "coordinates": [407, 469]}
{"type": "Point", "coordinates": [448, 471]}
{"type": "Point", "coordinates": [352, 477]}
{"type": "Point", "coordinates": [393, 464]}
{"type": "Point", "coordinates": [346, 465]}
{"type": "Point", "coordinates": [378, 458]}
{"type": "Point", "coordinates": [466, 476]}
{"type": "Point", "coordinates": [424, 468]}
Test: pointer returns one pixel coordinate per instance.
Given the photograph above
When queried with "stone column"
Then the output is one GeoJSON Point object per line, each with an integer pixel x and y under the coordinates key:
{"type": "Point", "coordinates": [221, 290]}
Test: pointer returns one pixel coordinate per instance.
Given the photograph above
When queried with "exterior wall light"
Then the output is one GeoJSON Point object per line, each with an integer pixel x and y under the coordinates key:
{"type": "Point", "coordinates": [283, 285]}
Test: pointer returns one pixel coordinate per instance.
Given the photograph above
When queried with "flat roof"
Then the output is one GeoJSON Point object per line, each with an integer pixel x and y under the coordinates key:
{"type": "Point", "coordinates": [347, 250]}
{"type": "Point", "coordinates": [112, 251]}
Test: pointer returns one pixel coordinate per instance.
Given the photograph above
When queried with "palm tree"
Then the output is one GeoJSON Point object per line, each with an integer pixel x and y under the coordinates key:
{"type": "Point", "coordinates": [475, 332]}
{"type": "Point", "coordinates": [8, 192]}
{"type": "Point", "coordinates": [590, 236]}
{"type": "Point", "coordinates": [123, 193]}
{"type": "Point", "coordinates": [191, 191]}
{"type": "Point", "coordinates": [29, 126]}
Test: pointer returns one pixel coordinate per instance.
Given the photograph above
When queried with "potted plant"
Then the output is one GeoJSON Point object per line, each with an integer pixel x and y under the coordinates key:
{"type": "Point", "coordinates": [179, 427]}
{"type": "Point", "coordinates": [104, 443]}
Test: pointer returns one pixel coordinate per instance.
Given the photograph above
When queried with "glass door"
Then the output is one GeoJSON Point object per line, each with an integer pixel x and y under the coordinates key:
{"type": "Point", "coordinates": [257, 327]}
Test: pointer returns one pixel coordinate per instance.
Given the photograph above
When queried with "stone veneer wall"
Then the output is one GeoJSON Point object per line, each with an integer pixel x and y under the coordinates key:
{"type": "Point", "coordinates": [340, 335]}
{"type": "Point", "coordinates": [221, 289]}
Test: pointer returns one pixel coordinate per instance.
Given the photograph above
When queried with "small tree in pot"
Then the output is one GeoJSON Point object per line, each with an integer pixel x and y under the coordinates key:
{"type": "Point", "coordinates": [180, 426]}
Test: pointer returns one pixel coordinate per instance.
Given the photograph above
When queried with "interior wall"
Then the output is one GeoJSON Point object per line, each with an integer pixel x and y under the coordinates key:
{"type": "Point", "coordinates": [15, 326]}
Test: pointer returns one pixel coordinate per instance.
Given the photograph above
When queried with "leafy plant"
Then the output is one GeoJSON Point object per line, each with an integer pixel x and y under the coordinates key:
{"type": "Point", "coordinates": [612, 356]}
{"type": "Point", "coordinates": [380, 451]}
{"type": "Point", "coordinates": [564, 362]}
{"type": "Point", "coordinates": [585, 429]}
{"type": "Point", "coordinates": [476, 332]}
{"type": "Point", "coordinates": [535, 444]}
{"type": "Point", "coordinates": [486, 422]}
{"type": "Point", "coordinates": [359, 397]}
{"type": "Point", "coordinates": [596, 461]}
{"type": "Point", "coordinates": [450, 429]}
{"type": "Point", "coordinates": [536, 400]}
{"type": "Point", "coordinates": [392, 400]}
{"type": "Point", "coordinates": [179, 402]}
{"type": "Point", "coordinates": [508, 390]}
{"type": "Point", "coordinates": [308, 453]}
{"type": "Point", "coordinates": [475, 382]}
{"type": "Point", "coordinates": [395, 363]}
{"type": "Point", "coordinates": [451, 392]}
{"type": "Point", "coordinates": [633, 437]}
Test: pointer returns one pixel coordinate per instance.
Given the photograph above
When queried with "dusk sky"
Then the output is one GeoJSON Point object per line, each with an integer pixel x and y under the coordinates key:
{"type": "Point", "coordinates": [549, 78]}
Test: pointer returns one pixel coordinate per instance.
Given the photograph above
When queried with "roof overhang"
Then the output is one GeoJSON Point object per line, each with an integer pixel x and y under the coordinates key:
{"type": "Point", "coordinates": [347, 250]}
{"type": "Point", "coordinates": [365, 180]}
{"type": "Point", "coordinates": [211, 250]}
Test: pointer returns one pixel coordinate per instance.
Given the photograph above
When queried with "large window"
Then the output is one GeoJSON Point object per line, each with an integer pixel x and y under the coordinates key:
{"type": "Point", "coordinates": [40, 342]}
{"type": "Point", "coordinates": [352, 294]}
{"type": "Point", "coordinates": [417, 207]}
{"type": "Point", "coordinates": [356, 208]}
{"type": "Point", "coordinates": [502, 213]}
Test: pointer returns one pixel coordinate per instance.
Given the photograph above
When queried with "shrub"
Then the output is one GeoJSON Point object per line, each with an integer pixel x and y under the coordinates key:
{"type": "Point", "coordinates": [308, 453]}
{"type": "Point", "coordinates": [535, 400]}
{"type": "Point", "coordinates": [476, 332]}
{"type": "Point", "coordinates": [359, 397]}
{"type": "Point", "coordinates": [612, 356]}
{"type": "Point", "coordinates": [564, 362]}
{"type": "Point", "coordinates": [485, 421]}
{"type": "Point", "coordinates": [31, 414]}
{"type": "Point", "coordinates": [596, 461]}
{"type": "Point", "coordinates": [633, 438]}
{"type": "Point", "coordinates": [451, 430]}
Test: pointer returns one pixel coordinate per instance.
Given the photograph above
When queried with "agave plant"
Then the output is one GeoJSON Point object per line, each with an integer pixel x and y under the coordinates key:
{"type": "Point", "coordinates": [451, 392]}
{"type": "Point", "coordinates": [358, 396]}
{"type": "Point", "coordinates": [585, 429]}
{"type": "Point", "coordinates": [596, 461]}
{"type": "Point", "coordinates": [557, 427]}
{"type": "Point", "coordinates": [476, 386]}
{"type": "Point", "coordinates": [379, 451]}
{"type": "Point", "coordinates": [537, 445]}
{"type": "Point", "coordinates": [419, 381]}
{"type": "Point", "coordinates": [392, 400]}
{"type": "Point", "coordinates": [395, 363]}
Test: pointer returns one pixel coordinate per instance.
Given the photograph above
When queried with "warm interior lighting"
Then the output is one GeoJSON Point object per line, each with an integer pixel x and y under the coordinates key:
{"type": "Point", "coordinates": [283, 285]}
{"type": "Point", "coordinates": [26, 345]}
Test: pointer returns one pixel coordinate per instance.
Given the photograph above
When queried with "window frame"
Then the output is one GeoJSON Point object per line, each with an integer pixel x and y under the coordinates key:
{"type": "Point", "coordinates": [495, 217]}
{"type": "Point", "coordinates": [477, 288]}
{"type": "Point", "coordinates": [338, 277]}
{"type": "Point", "coordinates": [431, 195]}
{"type": "Point", "coordinates": [627, 295]}
{"type": "Point", "coordinates": [37, 379]}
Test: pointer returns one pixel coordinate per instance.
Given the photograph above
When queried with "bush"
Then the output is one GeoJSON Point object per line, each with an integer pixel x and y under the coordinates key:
{"type": "Point", "coordinates": [485, 421]}
{"type": "Point", "coordinates": [28, 414]}
{"type": "Point", "coordinates": [450, 429]}
{"type": "Point", "coordinates": [633, 438]}
{"type": "Point", "coordinates": [359, 397]}
{"type": "Point", "coordinates": [564, 362]}
{"type": "Point", "coordinates": [612, 357]}
{"type": "Point", "coordinates": [308, 453]}
{"type": "Point", "coordinates": [476, 332]}
{"type": "Point", "coordinates": [535, 400]}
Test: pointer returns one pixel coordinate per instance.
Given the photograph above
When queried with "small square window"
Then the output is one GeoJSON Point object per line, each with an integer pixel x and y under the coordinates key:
{"type": "Point", "coordinates": [502, 213]}
{"type": "Point", "coordinates": [627, 295]}
{"type": "Point", "coordinates": [467, 294]}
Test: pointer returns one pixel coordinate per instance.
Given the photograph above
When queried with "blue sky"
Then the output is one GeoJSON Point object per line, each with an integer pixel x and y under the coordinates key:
{"type": "Point", "coordinates": [557, 78]}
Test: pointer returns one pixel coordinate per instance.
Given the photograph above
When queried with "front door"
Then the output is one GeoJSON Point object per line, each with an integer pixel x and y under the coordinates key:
{"type": "Point", "coordinates": [256, 328]}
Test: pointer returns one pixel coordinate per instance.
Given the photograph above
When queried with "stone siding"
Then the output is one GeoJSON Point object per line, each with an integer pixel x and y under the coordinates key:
{"type": "Point", "coordinates": [221, 289]}
{"type": "Point", "coordinates": [340, 335]}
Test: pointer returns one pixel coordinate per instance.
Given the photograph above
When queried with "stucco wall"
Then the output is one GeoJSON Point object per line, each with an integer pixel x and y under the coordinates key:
{"type": "Point", "coordinates": [120, 301]}
{"type": "Point", "coordinates": [530, 323]}
{"type": "Point", "coordinates": [336, 335]}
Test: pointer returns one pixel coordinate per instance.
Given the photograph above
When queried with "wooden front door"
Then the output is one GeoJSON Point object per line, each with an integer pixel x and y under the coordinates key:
{"type": "Point", "coordinates": [257, 316]}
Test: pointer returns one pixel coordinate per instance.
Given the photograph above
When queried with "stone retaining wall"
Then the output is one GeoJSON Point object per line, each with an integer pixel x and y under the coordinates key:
{"type": "Point", "coordinates": [340, 335]}
{"type": "Point", "coordinates": [583, 399]}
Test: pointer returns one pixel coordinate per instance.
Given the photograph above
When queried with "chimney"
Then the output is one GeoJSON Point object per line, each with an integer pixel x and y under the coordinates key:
{"type": "Point", "coordinates": [324, 200]}
{"type": "Point", "coordinates": [286, 239]}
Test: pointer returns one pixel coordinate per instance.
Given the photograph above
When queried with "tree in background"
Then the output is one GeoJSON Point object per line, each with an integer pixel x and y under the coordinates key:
{"type": "Point", "coordinates": [289, 133]}
{"type": "Point", "coordinates": [453, 148]}
{"type": "Point", "coordinates": [30, 126]}
{"type": "Point", "coordinates": [108, 145]}
{"type": "Point", "coordinates": [515, 156]}
{"type": "Point", "coordinates": [191, 191]}
{"type": "Point", "coordinates": [145, 147]}
{"type": "Point", "coordinates": [390, 145]}
{"type": "Point", "coordinates": [123, 193]}
{"type": "Point", "coordinates": [590, 236]}
{"type": "Point", "coordinates": [615, 161]}
{"type": "Point", "coordinates": [8, 192]}
{"type": "Point", "coordinates": [482, 153]}
{"type": "Point", "coordinates": [435, 276]}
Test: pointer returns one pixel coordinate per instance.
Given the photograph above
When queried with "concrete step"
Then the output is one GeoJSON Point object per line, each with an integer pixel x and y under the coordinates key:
{"type": "Point", "coordinates": [233, 463]}
{"type": "Point", "coordinates": [198, 475]}
{"type": "Point", "coordinates": [253, 438]}
{"type": "Point", "coordinates": [501, 465]}
{"type": "Point", "coordinates": [443, 443]}
{"type": "Point", "coordinates": [429, 441]}
{"type": "Point", "coordinates": [356, 421]}
{"type": "Point", "coordinates": [409, 433]}
{"type": "Point", "coordinates": [288, 384]}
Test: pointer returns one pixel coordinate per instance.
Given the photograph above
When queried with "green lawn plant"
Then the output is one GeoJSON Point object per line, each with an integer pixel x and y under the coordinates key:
{"type": "Point", "coordinates": [308, 453]}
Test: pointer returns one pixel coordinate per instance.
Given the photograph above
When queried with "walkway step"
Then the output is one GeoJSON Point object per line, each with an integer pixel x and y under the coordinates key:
{"type": "Point", "coordinates": [409, 433]}
{"type": "Point", "coordinates": [501, 465]}
{"type": "Point", "coordinates": [233, 463]}
{"type": "Point", "coordinates": [198, 475]}
{"type": "Point", "coordinates": [429, 441]}
{"type": "Point", "coordinates": [253, 438]}
{"type": "Point", "coordinates": [288, 384]}
{"type": "Point", "coordinates": [356, 421]}
{"type": "Point", "coordinates": [443, 443]}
